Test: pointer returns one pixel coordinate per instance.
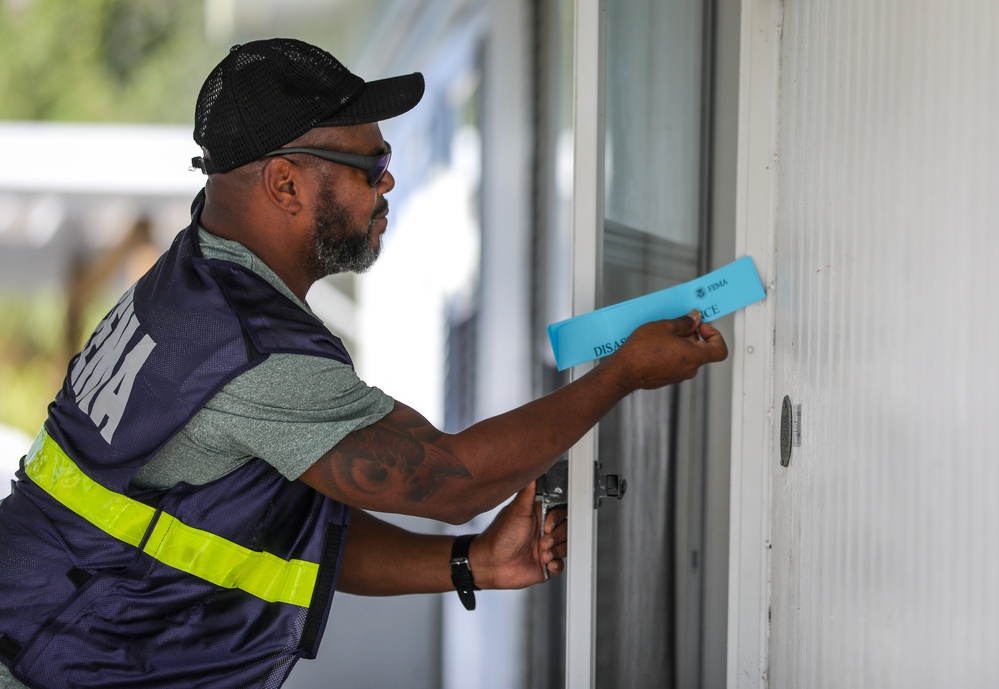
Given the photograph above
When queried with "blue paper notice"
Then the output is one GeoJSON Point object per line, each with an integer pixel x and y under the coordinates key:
{"type": "Point", "coordinates": [598, 333]}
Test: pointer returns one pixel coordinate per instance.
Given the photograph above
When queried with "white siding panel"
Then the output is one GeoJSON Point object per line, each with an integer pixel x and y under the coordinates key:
{"type": "Point", "coordinates": [885, 560]}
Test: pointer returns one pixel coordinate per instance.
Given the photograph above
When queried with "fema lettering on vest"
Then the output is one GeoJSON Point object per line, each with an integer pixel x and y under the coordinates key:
{"type": "Point", "coordinates": [103, 374]}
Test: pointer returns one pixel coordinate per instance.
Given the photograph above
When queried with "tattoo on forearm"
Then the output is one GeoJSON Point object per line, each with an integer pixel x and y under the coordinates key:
{"type": "Point", "coordinates": [395, 457]}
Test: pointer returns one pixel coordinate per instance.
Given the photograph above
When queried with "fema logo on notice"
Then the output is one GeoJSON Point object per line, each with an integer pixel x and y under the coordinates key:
{"type": "Point", "coordinates": [700, 292]}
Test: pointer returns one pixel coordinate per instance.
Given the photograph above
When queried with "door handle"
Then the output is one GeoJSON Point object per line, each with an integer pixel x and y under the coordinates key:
{"type": "Point", "coordinates": [552, 489]}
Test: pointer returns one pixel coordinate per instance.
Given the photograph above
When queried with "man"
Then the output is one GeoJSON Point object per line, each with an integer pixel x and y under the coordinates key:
{"type": "Point", "coordinates": [200, 487]}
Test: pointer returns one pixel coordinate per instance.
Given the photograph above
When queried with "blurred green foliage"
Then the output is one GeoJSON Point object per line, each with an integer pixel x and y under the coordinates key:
{"type": "Point", "coordinates": [32, 362]}
{"type": "Point", "coordinates": [85, 61]}
{"type": "Point", "coordinates": [102, 60]}
{"type": "Point", "coordinates": [33, 356]}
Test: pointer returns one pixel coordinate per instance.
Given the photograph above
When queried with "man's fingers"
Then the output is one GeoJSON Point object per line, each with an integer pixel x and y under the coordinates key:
{"type": "Point", "coordinates": [556, 534]}
{"type": "Point", "coordinates": [554, 543]}
{"type": "Point", "coordinates": [554, 559]}
{"type": "Point", "coordinates": [524, 500]}
{"type": "Point", "coordinates": [687, 325]}
{"type": "Point", "coordinates": [554, 518]}
{"type": "Point", "coordinates": [713, 342]}
{"type": "Point", "coordinates": [557, 551]}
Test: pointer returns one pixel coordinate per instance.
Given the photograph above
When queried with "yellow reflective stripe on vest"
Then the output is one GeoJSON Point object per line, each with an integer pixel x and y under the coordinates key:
{"type": "Point", "coordinates": [195, 551]}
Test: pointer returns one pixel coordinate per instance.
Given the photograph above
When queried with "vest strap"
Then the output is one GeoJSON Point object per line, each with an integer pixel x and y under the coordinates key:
{"type": "Point", "coordinates": [170, 541]}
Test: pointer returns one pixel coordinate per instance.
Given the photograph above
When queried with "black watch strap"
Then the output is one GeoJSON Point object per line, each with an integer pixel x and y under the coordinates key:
{"type": "Point", "coordinates": [461, 571]}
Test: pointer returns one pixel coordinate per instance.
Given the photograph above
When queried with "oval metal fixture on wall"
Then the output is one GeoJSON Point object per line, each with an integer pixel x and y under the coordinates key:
{"type": "Point", "coordinates": [786, 431]}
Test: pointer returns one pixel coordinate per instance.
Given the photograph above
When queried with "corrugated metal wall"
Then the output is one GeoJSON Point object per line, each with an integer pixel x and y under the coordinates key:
{"type": "Point", "coordinates": [885, 550]}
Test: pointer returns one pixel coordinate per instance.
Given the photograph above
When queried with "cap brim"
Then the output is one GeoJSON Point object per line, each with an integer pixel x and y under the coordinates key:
{"type": "Point", "coordinates": [379, 100]}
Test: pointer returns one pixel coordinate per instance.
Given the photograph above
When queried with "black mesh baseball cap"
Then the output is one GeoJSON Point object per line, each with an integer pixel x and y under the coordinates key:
{"type": "Point", "coordinates": [267, 93]}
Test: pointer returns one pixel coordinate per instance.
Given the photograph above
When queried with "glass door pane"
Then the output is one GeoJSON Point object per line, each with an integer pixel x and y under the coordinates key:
{"type": "Point", "coordinates": [648, 578]}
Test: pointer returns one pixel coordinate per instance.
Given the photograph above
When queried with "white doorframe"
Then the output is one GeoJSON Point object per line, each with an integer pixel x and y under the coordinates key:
{"type": "Point", "coordinates": [752, 350]}
{"type": "Point", "coordinates": [587, 242]}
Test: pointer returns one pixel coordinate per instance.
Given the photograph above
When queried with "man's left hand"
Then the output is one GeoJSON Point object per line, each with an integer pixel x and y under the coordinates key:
{"type": "Point", "coordinates": [513, 552]}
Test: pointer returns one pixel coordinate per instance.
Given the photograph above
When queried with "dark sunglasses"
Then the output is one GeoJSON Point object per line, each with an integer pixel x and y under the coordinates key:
{"type": "Point", "coordinates": [376, 166]}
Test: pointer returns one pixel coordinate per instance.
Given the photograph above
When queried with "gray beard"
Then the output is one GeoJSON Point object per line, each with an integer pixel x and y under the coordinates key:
{"type": "Point", "coordinates": [336, 249]}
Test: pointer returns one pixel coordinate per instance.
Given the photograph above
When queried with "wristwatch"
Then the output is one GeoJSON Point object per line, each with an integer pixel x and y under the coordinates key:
{"type": "Point", "coordinates": [461, 571]}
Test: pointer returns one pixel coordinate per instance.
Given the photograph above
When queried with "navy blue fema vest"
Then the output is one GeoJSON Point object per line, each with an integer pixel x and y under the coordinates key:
{"type": "Point", "coordinates": [83, 608]}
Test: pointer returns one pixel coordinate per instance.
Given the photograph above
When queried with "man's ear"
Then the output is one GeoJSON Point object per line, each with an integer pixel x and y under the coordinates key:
{"type": "Point", "coordinates": [282, 184]}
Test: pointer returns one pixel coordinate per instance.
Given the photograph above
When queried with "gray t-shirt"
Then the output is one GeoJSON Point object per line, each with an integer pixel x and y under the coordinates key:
{"type": "Point", "coordinates": [288, 410]}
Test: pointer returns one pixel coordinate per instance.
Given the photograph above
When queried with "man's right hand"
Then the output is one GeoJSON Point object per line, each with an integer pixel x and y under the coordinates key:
{"type": "Point", "coordinates": [668, 352]}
